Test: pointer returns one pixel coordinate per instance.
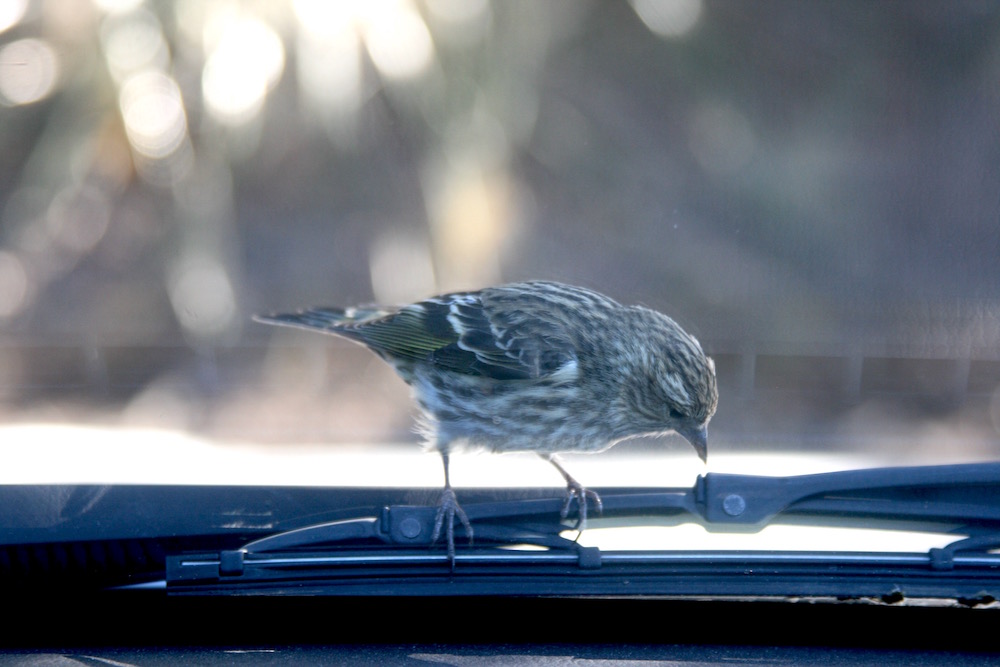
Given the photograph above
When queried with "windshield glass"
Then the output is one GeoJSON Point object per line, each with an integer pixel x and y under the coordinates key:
{"type": "Point", "coordinates": [807, 190]}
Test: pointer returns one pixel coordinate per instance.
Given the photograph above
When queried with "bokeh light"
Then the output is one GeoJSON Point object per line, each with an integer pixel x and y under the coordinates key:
{"type": "Point", "coordinates": [11, 12]}
{"type": "Point", "coordinates": [721, 139]}
{"type": "Point", "coordinates": [29, 70]}
{"type": "Point", "coordinates": [393, 31]}
{"type": "Point", "coordinates": [78, 219]}
{"type": "Point", "coordinates": [401, 268]}
{"type": "Point", "coordinates": [13, 284]}
{"type": "Point", "coordinates": [133, 42]}
{"type": "Point", "coordinates": [471, 213]}
{"type": "Point", "coordinates": [202, 296]}
{"type": "Point", "coordinates": [328, 66]}
{"type": "Point", "coordinates": [153, 112]}
{"type": "Point", "coordinates": [668, 18]}
{"type": "Point", "coordinates": [460, 22]}
{"type": "Point", "coordinates": [240, 70]}
{"type": "Point", "coordinates": [116, 6]}
{"type": "Point", "coordinates": [397, 39]}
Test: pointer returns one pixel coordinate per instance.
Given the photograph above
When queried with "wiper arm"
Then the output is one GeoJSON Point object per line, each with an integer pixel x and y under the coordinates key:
{"type": "Point", "coordinates": [968, 494]}
{"type": "Point", "coordinates": [394, 543]}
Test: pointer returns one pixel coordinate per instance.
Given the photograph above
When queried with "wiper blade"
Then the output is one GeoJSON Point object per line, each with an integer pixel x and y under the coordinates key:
{"type": "Point", "coordinates": [393, 545]}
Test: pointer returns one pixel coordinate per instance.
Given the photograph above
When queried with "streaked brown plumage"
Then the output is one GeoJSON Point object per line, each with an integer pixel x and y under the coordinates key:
{"type": "Point", "coordinates": [534, 366]}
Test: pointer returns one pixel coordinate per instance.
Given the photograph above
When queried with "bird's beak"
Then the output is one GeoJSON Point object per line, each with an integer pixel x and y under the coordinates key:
{"type": "Point", "coordinates": [698, 437]}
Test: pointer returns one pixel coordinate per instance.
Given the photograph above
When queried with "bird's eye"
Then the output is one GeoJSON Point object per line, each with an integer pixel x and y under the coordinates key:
{"type": "Point", "coordinates": [676, 414]}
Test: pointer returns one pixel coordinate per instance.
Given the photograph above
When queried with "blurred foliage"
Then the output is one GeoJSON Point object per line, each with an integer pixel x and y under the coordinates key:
{"type": "Point", "coordinates": [783, 177]}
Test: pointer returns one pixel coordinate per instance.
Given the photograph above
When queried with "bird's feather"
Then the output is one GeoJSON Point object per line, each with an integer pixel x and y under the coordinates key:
{"type": "Point", "coordinates": [456, 332]}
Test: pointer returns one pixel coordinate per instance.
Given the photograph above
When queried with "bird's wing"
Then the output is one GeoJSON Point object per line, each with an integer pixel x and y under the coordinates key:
{"type": "Point", "coordinates": [453, 332]}
{"type": "Point", "coordinates": [495, 342]}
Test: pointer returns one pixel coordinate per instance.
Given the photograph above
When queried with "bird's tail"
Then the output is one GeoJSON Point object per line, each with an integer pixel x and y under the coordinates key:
{"type": "Point", "coordinates": [333, 320]}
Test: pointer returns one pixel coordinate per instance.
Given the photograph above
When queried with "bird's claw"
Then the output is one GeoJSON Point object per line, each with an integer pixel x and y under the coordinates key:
{"type": "Point", "coordinates": [448, 509]}
{"type": "Point", "coordinates": [576, 491]}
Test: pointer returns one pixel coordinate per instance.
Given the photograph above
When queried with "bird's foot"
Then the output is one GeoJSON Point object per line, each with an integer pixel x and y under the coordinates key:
{"type": "Point", "coordinates": [448, 509]}
{"type": "Point", "coordinates": [582, 495]}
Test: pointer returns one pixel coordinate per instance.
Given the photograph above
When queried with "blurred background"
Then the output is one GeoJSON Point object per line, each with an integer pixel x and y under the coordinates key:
{"type": "Point", "coordinates": [812, 189]}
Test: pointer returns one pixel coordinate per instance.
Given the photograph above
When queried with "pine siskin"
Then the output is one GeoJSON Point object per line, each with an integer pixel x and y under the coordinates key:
{"type": "Point", "coordinates": [537, 366]}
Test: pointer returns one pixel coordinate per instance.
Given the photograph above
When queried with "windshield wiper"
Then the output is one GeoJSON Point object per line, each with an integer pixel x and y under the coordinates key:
{"type": "Point", "coordinates": [389, 551]}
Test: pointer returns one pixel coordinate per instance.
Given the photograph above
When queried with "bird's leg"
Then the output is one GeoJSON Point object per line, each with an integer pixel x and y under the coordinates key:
{"type": "Point", "coordinates": [448, 508]}
{"type": "Point", "coordinates": [575, 490]}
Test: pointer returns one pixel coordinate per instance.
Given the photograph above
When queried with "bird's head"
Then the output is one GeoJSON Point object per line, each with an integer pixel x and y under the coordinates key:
{"type": "Point", "coordinates": [672, 384]}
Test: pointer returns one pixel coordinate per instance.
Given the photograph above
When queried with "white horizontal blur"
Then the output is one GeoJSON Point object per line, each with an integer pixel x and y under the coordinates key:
{"type": "Point", "coordinates": [66, 454]}
{"type": "Point", "coordinates": [778, 537]}
{"type": "Point", "coordinates": [76, 454]}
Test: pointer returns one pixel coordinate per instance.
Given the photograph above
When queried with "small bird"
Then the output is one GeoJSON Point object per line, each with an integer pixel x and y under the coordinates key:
{"type": "Point", "coordinates": [534, 366]}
